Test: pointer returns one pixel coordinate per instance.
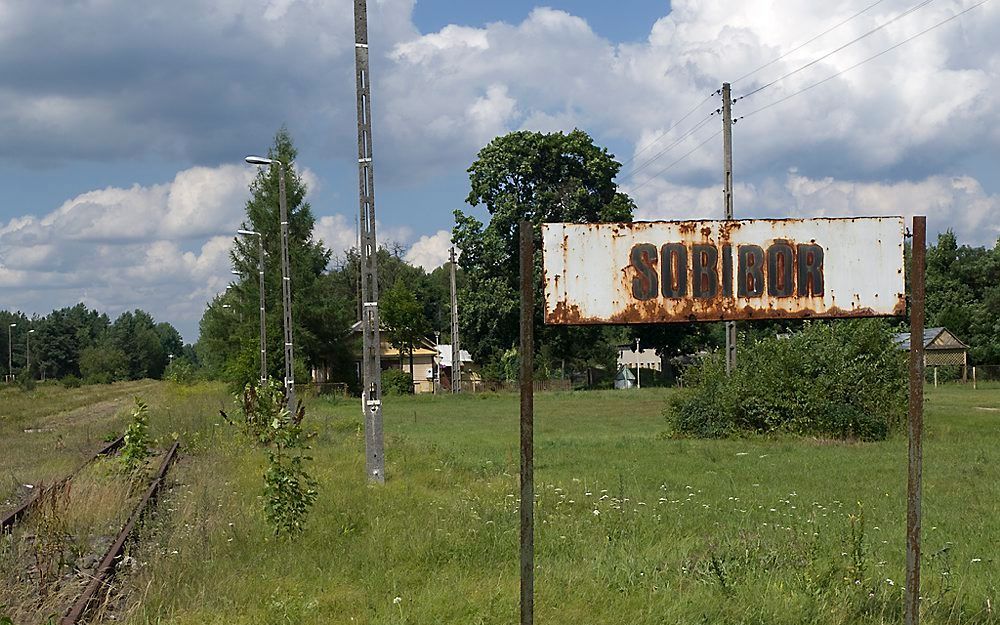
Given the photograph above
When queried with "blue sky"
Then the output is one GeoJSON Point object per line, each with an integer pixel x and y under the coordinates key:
{"type": "Point", "coordinates": [125, 123]}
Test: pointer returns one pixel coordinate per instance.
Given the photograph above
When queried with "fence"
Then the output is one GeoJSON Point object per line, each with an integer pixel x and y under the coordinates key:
{"type": "Point", "coordinates": [959, 374]}
{"type": "Point", "coordinates": [483, 386]}
{"type": "Point", "coordinates": [314, 389]}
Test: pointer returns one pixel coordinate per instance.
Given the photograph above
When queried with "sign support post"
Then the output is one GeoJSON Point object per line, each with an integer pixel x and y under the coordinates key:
{"type": "Point", "coordinates": [915, 423]}
{"type": "Point", "coordinates": [527, 351]}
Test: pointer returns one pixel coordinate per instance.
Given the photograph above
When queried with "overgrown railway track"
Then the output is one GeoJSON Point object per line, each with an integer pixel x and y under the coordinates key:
{"type": "Point", "coordinates": [7, 522]}
{"type": "Point", "coordinates": [114, 552]}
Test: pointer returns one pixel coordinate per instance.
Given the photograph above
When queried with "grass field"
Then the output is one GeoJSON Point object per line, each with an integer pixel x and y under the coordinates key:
{"type": "Point", "coordinates": [632, 526]}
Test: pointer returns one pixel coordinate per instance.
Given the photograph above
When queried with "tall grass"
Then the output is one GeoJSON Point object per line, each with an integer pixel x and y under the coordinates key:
{"type": "Point", "coordinates": [631, 526]}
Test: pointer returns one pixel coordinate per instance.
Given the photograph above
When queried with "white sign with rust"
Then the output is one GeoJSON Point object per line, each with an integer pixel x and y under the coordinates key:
{"type": "Point", "coordinates": [672, 271]}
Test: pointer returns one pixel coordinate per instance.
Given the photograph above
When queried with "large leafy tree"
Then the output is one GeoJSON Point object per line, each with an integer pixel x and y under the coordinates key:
{"type": "Point", "coordinates": [403, 318]}
{"type": "Point", "coordinates": [963, 294]}
{"type": "Point", "coordinates": [230, 324]}
{"type": "Point", "coordinates": [554, 177]}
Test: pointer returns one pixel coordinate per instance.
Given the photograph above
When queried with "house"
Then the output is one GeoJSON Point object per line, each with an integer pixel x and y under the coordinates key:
{"type": "Point", "coordinates": [470, 372]}
{"type": "Point", "coordinates": [941, 348]}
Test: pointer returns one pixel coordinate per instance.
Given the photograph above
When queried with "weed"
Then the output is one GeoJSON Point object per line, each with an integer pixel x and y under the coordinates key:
{"type": "Point", "coordinates": [135, 448]}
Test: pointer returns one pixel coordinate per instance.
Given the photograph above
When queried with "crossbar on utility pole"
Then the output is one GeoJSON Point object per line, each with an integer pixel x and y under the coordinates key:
{"type": "Point", "coordinates": [527, 507]}
{"type": "Point", "coordinates": [727, 170]}
{"type": "Point", "coordinates": [371, 369]}
{"type": "Point", "coordinates": [915, 423]}
{"type": "Point", "coordinates": [456, 346]}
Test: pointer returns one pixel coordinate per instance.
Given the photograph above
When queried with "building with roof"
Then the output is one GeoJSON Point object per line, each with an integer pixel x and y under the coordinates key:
{"type": "Point", "coordinates": [941, 348]}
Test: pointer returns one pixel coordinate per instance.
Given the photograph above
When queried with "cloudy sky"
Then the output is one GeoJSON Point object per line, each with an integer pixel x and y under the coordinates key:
{"type": "Point", "coordinates": [123, 124]}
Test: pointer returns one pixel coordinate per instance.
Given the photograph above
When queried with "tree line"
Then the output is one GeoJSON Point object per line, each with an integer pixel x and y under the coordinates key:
{"type": "Point", "coordinates": [538, 177]}
{"type": "Point", "coordinates": [77, 343]}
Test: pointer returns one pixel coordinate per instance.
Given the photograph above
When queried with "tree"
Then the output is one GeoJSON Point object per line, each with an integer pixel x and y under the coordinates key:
{"type": "Point", "coordinates": [963, 294]}
{"type": "Point", "coordinates": [134, 334]}
{"type": "Point", "coordinates": [403, 318]}
{"type": "Point", "coordinates": [229, 335]}
{"type": "Point", "coordinates": [540, 178]}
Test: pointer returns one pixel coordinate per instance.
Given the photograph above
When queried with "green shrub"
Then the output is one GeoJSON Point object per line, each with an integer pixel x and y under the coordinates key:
{"type": "Point", "coordinates": [289, 490]}
{"type": "Point", "coordinates": [71, 381]}
{"type": "Point", "coordinates": [26, 380]}
{"type": "Point", "coordinates": [180, 371]}
{"type": "Point", "coordinates": [135, 448]}
{"type": "Point", "coordinates": [845, 379]}
{"type": "Point", "coordinates": [396, 382]}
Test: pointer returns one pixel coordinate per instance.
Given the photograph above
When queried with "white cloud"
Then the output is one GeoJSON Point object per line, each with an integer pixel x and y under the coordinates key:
{"type": "Point", "coordinates": [957, 202]}
{"type": "Point", "coordinates": [430, 251]}
{"type": "Point", "coordinates": [163, 247]}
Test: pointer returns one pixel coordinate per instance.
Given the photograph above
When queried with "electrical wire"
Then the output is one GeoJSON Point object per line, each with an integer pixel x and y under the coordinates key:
{"type": "Point", "coordinates": [874, 56]}
{"type": "Point", "coordinates": [800, 46]}
{"type": "Point", "coordinates": [672, 126]}
{"type": "Point", "coordinates": [668, 167]}
{"type": "Point", "coordinates": [915, 7]}
{"type": "Point", "coordinates": [676, 142]}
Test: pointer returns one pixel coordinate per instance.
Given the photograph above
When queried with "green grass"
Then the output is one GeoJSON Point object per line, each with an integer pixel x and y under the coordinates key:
{"type": "Point", "coordinates": [48, 432]}
{"type": "Point", "coordinates": [687, 531]}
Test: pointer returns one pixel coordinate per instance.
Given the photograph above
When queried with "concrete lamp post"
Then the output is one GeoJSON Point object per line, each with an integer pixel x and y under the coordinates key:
{"type": "Point", "coordinates": [286, 279]}
{"type": "Point", "coordinates": [10, 351]}
{"type": "Point", "coordinates": [27, 350]}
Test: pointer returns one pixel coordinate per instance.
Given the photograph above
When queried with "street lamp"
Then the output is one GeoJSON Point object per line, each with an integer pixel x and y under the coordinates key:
{"type": "Point", "coordinates": [27, 350]}
{"type": "Point", "coordinates": [10, 350]}
{"type": "Point", "coordinates": [286, 279]}
{"type": "Point", "coordinates": [260, 274]}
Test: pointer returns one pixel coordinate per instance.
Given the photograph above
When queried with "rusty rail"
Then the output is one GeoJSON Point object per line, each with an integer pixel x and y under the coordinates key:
{"type": "Point", "coordinates": [8, 522]}
{"type": "Point", "coordinates": [110, 560]}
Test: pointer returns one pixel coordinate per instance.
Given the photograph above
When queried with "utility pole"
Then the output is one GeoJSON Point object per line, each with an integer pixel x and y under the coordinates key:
{"type": "Point", "coordinates": [371, 362]}
{"type": "Point", "coordinates": [456, 347]}
{"type": "Point", "coordinates": [727, 170]}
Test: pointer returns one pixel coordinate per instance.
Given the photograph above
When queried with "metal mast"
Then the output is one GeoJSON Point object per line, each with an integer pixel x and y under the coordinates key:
{"type": "Point", "coordinates": [456, 348]}
{"type": "Point", "coordinates": [371, 365]}
{"type": "Point", "coordinates": [727, 172]}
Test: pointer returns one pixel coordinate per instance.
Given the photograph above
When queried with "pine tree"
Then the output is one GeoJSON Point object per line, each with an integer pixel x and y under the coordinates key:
{"type": "Point", "coordinates": [319, 322]}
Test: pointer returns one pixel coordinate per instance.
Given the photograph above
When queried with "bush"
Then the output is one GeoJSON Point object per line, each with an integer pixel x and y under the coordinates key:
{"type": "Point", "coordinates": [103, 365]}
{"type": "Point", "coordinates": [26, 380]}
{"type": "Point", "coordinates": [845, 379]}
{"type": "Point", "coordinates": [396, 382]}
{"type": "Point", "coordinates": [180, 371]}
{"type": "Point", "coordinates": [71, 381]}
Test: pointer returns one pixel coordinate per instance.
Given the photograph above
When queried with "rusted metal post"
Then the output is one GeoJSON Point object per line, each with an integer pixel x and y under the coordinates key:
{"type": "Point", "coordinates": [527, 425]}
{"type": "Point", "coordinates": [915, 424]}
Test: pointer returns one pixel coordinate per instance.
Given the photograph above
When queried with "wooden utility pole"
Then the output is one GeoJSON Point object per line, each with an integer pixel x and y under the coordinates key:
{"type": "Point", "coordinates": [727, 170]}
{"type": "Point", "coordinates": [371, 364]}
{"type": "Point", "coordinates": [456, 347]}
{"type": "Point", "coordinates": [915, 423]}
{"type": "Point", "coordinates": [527, 353]}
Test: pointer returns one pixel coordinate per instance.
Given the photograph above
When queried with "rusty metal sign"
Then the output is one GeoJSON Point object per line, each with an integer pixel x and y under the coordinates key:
{"type": "Point", "coordinates": [674, 271]}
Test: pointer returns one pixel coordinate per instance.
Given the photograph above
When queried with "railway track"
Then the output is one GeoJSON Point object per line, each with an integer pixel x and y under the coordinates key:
{"type": "Point", "coordinates": [114, 552]}
{"type": "Point", "coordinates": [7, 523]}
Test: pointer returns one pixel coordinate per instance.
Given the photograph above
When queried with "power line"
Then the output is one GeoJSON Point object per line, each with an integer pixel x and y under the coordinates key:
{"type": "Point", "coordinates": [915, 7]}
{"type": "Point", "coordinates": [799, 47]}
{"type": "Point", "coordinates": [686, 154]}
{"type": "Point", "coordinates": [874, 56]}
{"type": "Point", "coordinates": [671, 146]}
{"type": "Point", "coordinates": [674, 125]}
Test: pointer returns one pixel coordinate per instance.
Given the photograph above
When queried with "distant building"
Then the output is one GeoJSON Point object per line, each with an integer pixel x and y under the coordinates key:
{"type": "Point", "coordinates": [470, 371]}
{"type": "Point", "coordinates": [941, 348]}
{"type": "Point", "coordinates": [645, 358]}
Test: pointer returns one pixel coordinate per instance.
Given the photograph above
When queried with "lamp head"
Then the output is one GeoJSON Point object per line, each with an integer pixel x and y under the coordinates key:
{"type": "Point", "coordinates": [259, 160]}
